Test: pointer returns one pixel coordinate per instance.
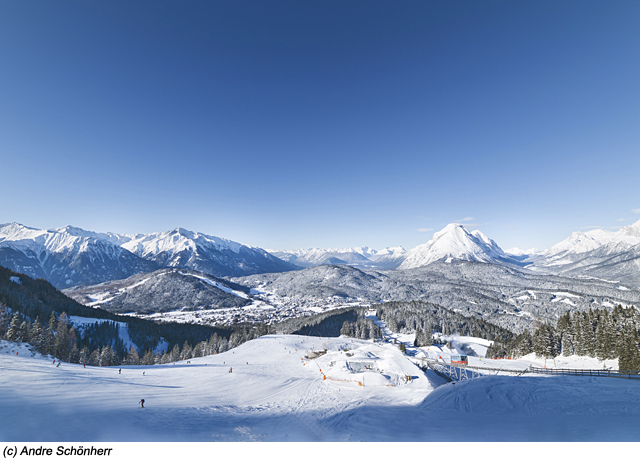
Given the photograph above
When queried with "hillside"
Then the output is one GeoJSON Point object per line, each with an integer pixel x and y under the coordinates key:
{"type": "Point", "coordinates": [274, 394]}
{"type": "Point", "coordinates": [162, 291]}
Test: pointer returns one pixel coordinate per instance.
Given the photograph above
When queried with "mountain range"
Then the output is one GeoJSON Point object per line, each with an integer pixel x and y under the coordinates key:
{"type": "Point", "coordinates": [362, 257]}
{"type": "Point", "coordinates": [596, 253]}
{"type": "Point", "coordinates": [458, 269]}
{"type": "Point", "coordinates": [70, 256]}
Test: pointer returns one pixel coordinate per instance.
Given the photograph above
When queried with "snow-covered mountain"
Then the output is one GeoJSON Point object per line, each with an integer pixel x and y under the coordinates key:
{"type": "Point", "coordinates": [365, 257]}
{"type": "Point", "coordinates": [67, 256]}
{"type": "Point", "coordinates": [316, 256]}
{"type": "Point", "coordinates": [208, 254]}
{"type": "Point", "coordinates": [601, 253]}
{"type": "Point", "coordinates": [454, 242]}
{"type": "Point", "coordinates": [70, 256]}
{"type": "Point", "coordinates": [389, 258]}
{"type": "Point", "coordinates": [579, 242]}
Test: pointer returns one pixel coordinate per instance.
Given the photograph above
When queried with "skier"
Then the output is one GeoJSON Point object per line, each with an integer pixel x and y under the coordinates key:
{"type": "Point", "coordinates": [230, 370]}
{"type": "Point", "coordinates": [143, 373]}
{"type": "Point", "coordinates": [58, 364]}
{"type": "Point", "coordinates": [54, 361]}
{"type": "Point", "coordinates": [119, 371]}
{"type": "Point", "coordinates": [141, 403]}
{"type": "Point", "coordinates": [85, 366]}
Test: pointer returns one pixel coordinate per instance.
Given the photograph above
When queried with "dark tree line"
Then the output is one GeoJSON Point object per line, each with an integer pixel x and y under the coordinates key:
{"type": "Point", "coordinates": [426, 319]}
{"type": "Point", "coordinates": [597, 333]}
{"type": "Point", "coordinates": [351, 322]}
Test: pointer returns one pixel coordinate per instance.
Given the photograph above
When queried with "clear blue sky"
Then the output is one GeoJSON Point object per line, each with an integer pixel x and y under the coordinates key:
{"type": "Point", "coordinates": [321, 124]}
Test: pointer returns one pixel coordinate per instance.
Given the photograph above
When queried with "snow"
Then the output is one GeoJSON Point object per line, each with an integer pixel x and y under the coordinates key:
{"type": "Point", "coordinates": [106, 296]}
{"type": "Point", "coordinates": [217, 285]}
{"type": "Point", "coordinates": [566, 294]}
{"type": "Point", "coordinates": [275, 394]}
{"type": "Point", "coordinates": [175, 241]}
{"type": "Point", "coordinates": [579, 242]}
{"type": "Point", "coordinates": [453, 242]}
{"type": "Point", "coordinates": [521, 252]}
{"type": "Point", "coordinates": [15, 279]}
{"type": "Point", "coordinates": [31, 240]}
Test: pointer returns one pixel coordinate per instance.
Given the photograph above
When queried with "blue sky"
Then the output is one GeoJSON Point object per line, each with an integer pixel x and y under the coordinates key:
{"type": "Point", "coordinates": [321, 124]}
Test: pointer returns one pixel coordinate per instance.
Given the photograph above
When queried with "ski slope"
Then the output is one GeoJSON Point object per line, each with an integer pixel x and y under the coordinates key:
{"type": "Point", "coordinates": [356, 391]}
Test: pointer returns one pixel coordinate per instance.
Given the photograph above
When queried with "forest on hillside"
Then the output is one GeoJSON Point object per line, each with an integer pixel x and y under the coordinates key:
{"type": "Point", "coordinates": [597, 333]}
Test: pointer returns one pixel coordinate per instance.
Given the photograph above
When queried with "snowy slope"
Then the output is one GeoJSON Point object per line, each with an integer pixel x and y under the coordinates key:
{"type": "Point", "coordinates": [275, 394]}
{"type": "Point", "coordinates": [161, 291]}
{"type": "Point", "coordinates": [454, 242]}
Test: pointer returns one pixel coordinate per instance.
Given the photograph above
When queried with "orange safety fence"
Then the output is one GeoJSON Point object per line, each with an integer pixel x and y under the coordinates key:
{"type": "Point", "coordinates": [324, 377]}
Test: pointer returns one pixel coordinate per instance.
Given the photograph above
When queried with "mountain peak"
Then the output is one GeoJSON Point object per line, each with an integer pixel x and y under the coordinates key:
{"type": "Point", "coordinates": [454, 242]}
{"type": "Point", "coordinates": [183, 232]}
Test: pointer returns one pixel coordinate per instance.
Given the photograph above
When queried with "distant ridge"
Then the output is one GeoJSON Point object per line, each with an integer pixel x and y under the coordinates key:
{"type": "Point", "coordinates": [70, 256]}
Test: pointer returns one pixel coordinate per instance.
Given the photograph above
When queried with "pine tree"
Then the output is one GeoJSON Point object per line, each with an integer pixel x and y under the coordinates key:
{"type": "Point", "coordinates": [198, 350]}
{"type": "Point", "coordinates": [107, 357]}
{"type": "Point", "coordinates": [74, 354]}
{"type": "Point", "coordinates": [164, 358]}
{"type": "Point", "coordinates": [62, 344]}
{"type": "Point", "coordinates": [149, 358]}
{"type": "Point", "coordinates": [545, 342]}
{"type": "Point", "coordinates": [175, 353]}
{"type": "Point", "coordinates": [13, 334]}
{"type": "Point", "coordinates": [185, 354]}
{"type": "Point", "coordinates": [589, 336]}
{"type": "Point", "coordinates": [35, 337]}
{"type": "Point", "coordinates": [94, 358]}
{"type": "Point", "coordinates": [629, 355]}
{"type": "Point", "coordinates": [49, 336]}
{"type": "Point", "coordinates": [5, 318]}
{"type": "Point", "coordinates": [347, 329]}
{"type": "Point", "coordinates": [579, 331]}
{"type": "Point", "coordinates": [83, 357]}
{"type": "Point", "coordinates": [223, 345]}
{"type": "Point", "coordinates": [132, 356]}
{"type": "Point", "coordinates": [524, 343]}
